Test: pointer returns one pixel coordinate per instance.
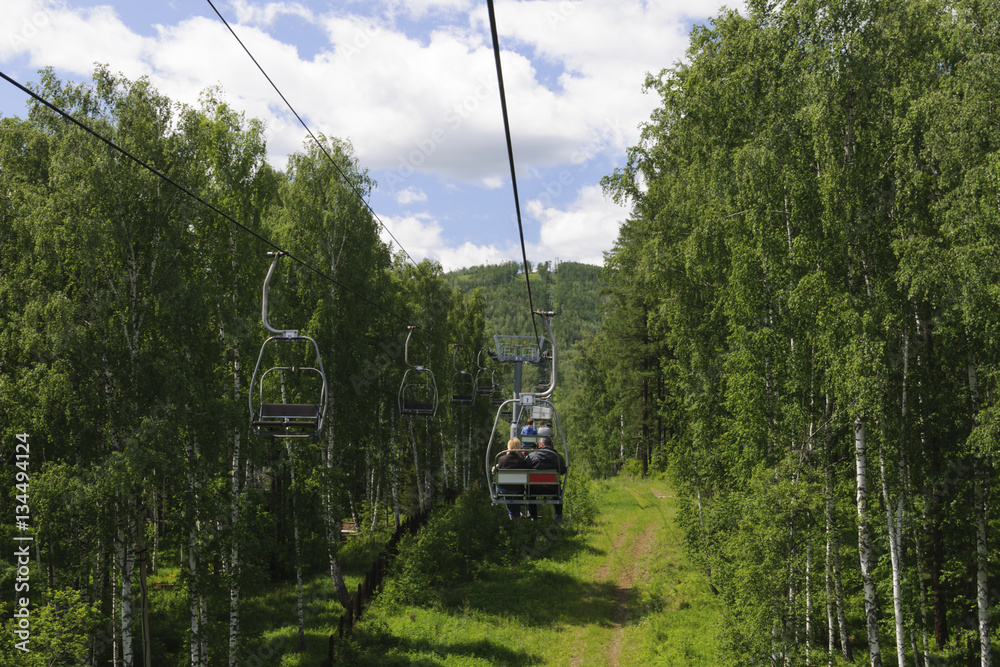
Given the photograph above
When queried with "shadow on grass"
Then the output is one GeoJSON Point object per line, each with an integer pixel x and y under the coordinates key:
{"type": "Point", "coordinates": [383, 648]}
{"type": "Point", "coordinates": [538, 598]}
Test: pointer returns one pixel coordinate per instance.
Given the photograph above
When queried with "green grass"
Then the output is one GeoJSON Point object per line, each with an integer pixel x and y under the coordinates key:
{"type": "Point", "coordinates": [613, 585]}
{"type": "Point", "coordinates": [563, 605]}
{"type": "Point", "coordinates": [268, 616]}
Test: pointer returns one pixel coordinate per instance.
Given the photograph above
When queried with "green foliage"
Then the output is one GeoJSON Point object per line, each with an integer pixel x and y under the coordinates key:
{"type": "Point", "coordinates": [566, 603]}
{"type": "Point", "coordinates": [810, 252]}
{"type": "Point", "coordinates": [130, 328]}
{"type": "Point", "coordinates": [61, 630]}
{"type": "Point", "coordinates": [579, 500]}
{"type": "Point", "coordinates": [459, 543]}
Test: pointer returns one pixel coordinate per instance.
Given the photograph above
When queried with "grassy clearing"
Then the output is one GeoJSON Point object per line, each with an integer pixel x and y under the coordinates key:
{"type": "Point", "coordinates": [613, 586]}
{"type": "Point", "coordinates": [620, 591]}
{"type": "Point", "coordinates": [269, 613]}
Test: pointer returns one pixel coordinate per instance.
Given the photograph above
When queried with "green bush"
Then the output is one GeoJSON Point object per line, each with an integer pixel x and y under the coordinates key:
{"type": "Point", "coordinates": [631, 469]}
{"type": "Point", "coordinates": [578, 501]}
{"type": "Point", "coordinates": [458, 544]}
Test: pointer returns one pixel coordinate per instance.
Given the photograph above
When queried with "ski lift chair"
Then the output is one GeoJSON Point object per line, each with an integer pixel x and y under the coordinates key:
{"type": "Point", "coordinates": [530, 486]}
{"type": "Point", "coordinates": [513, 486]}
{"type": "Point", "coordinates": [497, 396]}
{"type": "Point", "coordinates": [463, 385]}
{"type": "Point", "coordinates": [484, 377]}
{"type": "Point", "coordinates": [289, 369]}
{"type": "Point", "coordinates": [418, 395]}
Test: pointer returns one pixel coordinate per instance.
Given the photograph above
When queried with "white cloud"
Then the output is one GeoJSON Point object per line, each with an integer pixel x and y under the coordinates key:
{"type": "Point", "coordinates": [412, 84]}
{"type": "Point", "coordinates": [410, 195]}
{"type": "Point", "coordinates": [428, 102]}
{"type": "Point", "coordinates": [422, 237]}
{"type": "Point", "coordinates": [581, 232]}
{"type": "Point", "coordinates": [72, 40]}
{"type": "Point", "coordinates": [267, 13]}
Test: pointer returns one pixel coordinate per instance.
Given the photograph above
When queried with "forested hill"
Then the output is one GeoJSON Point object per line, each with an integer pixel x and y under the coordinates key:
{"type": "Point", "coordinates": [573, 291]}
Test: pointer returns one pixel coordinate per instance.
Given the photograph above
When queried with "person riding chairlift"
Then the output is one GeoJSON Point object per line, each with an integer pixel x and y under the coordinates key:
{"type": "Point", "coordinates": [513, 459]}
{"type": "Point", "coordinates": [546, 458]}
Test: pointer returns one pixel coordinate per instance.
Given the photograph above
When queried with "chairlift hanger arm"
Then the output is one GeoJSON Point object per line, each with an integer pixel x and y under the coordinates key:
{"type": "Point", "coordinates": [546, 320]}
{"type": "Point", "coordinates": [292, 333]}
{"type": "Point", "coordinates": [406, 347]}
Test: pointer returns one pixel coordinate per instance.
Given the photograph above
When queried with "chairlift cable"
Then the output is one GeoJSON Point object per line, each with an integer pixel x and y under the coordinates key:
{"type": "Point", "coordinates": [156, 172]}
{"type": "Point", "coordinates": [510, 154]}
{"type": "Point", "coordinates": [303, 123]}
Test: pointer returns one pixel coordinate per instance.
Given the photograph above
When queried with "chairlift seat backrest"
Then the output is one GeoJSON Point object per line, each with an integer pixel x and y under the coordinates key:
{"type": "Point", "coordinates": [289, 410]}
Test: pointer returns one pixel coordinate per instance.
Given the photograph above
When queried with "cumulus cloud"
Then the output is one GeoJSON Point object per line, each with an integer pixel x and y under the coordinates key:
{"type": "Point", "coordinates": [267, 13]}
{"type": "Point", "coordinates": [60, 36]}
{"type": "Point", "coordinates": [410, 195]}
{"type": "Point", "coordinates": [412, 84]}
{"type": "Point", "coordinates": [580, 232]}
{"type": "Point", "coordinates": [422, 237]}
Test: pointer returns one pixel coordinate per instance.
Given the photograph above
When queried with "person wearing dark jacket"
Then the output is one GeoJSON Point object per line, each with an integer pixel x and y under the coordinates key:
{"type": "Point", "coordinates": [512, 459]}
{"type": "Point", "coordinates": [546, 458]}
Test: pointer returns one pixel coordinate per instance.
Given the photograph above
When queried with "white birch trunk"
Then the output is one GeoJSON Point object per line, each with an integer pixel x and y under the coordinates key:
{"type": "Point", "coordinates": [194, 587]}
{"type": "Point", "coordinates": [444, 461]}
{"type": "Point", "coordinates": [234, 555]}
{"type": "Point", "coordinates": [116, 630]}
{"type": "Point", "coordinates": [144, 597]}
{"type": "Point", "coordinates": [416, 467]}
{"type": "Point", "coordinates": [982, 481]}
{"type": "Point", "coordinates": [830, 636]}
{"type": "Point", "coordinates": [127, 565]}
{"type": "Point", "coordinates": [808, 602]}
{"type": "Point", "coordinates": [428, 466]}
{"type": "Point", "coordinates": [234, 521]}
{"type": "Point", "coordinates": [332, 527]}
{"type": "Point", "coordinates": [865, 542]}
{"type": "Point", "coordinates": [394, 470]}
{"type": "Point", "coordinates": [894, 526]}
{"type": "Point", "coordinates": [833, 558]}
{"type": "Point", "coordinates": [193, 593]}
{"type": "Point", "coordinates": [203, 636]}
{"type": "Point", "coordinates": [983, 558]}
{"type": "Point", "coordinates": [790, 634]}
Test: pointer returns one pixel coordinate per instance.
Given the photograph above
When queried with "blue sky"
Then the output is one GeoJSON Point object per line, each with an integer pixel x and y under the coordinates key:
{"type": "Point", "coordinates": [412, 85]}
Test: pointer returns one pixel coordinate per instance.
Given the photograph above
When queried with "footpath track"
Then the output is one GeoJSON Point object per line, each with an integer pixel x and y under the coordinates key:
{"type": "Point", "coordinates": [620, 591]}
{"type": "Point", "coordinates": [638, 527]}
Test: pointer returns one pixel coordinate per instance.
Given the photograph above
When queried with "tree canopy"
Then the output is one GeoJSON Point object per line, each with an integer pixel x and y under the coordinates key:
{"type": "Point", "coordinates": [809, 270]}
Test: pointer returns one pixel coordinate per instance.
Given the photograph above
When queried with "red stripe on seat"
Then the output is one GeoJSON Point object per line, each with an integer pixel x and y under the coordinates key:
{"type": "Point", "coordinates": [544, 478]}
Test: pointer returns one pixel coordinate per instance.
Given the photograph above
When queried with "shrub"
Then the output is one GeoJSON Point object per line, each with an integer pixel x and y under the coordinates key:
{"type": "Point", "coordinates": [458, 543]}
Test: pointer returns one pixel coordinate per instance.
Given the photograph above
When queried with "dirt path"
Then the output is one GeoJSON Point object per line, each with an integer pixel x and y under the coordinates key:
{"type": "Point", "coordinates": [630, 543]}
{"type": "Point", "coordinates": [635, 554]}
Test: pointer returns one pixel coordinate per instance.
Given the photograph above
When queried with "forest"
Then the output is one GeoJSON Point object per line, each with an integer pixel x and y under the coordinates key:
{"type": "Point", "coordinates": [796, 327]}
{"type": "Point", "coordinates": [802, 325]}
{"type": "Point", "coordinates": [131, 323]}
